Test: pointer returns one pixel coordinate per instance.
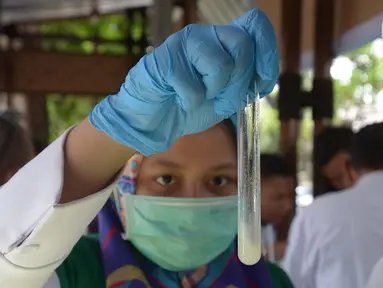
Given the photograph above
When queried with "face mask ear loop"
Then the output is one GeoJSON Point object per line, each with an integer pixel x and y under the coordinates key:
{"type": "Point", "coordinates": [129, 220]}
{"type": "Point", "coordinates": [116, 198]}
{"type": "Point", "coordinates": [117, 193]}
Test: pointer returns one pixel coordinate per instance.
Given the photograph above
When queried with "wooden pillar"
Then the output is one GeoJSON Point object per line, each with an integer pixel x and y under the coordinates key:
{"type": "Point", "coordinates": [36, 109]}
{"type": "Point", "coordinates": [6, 80]}
{"type": "Point", "coordinates": [322, 93]}
{"type": "Point", "coordinates": [15, 100]}
{"type": "Point", "coordinates": [289, 103]}
{"type": "Point", "coordinates": [3, 47]}
{"type": "Point", "coordinates": [190, 12]}
{"type": "Point", "coordinates": [38, 121]}
{"type": "Point", "coordinates": [162, 25]}
{"type": "Point", "coordinates": [3, 44]}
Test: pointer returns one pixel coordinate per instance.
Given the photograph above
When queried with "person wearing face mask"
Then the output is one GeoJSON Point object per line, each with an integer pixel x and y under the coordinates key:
{"type": "Point", "coordinates": [171, 230]}
{"type": "Point", "coordinates": [336, 241]}
{"type": "Point", "coordinates": [170, 110]}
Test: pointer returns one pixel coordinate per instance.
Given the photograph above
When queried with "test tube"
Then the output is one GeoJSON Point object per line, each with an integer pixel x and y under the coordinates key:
{"type": "Point", "coordinates": [249, 198]}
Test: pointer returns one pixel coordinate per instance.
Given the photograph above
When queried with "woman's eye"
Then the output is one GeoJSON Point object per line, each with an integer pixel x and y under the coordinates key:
{"type": "Point", "coordinates": [165, 180]}
{"type": "Point", "coordinates": [218, 181]}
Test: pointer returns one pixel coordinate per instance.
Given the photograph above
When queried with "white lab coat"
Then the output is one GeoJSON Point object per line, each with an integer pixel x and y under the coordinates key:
{"type": "Point", "coordinates": [37, 234]}
{"type": "Point", "coordinates": [337, 240]}
{"type": "Point", "coordinates": [376, 278]}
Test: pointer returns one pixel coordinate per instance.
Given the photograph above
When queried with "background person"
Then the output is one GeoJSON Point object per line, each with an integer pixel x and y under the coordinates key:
{"type": "Point", "coordinates": [336, 241]}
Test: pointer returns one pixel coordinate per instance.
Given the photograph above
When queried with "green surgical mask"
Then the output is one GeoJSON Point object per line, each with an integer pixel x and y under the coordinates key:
{"type": "Point", "coordinates": [180, 234]}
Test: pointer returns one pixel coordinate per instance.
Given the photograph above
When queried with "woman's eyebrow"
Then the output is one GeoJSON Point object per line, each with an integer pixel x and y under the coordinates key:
{"type": "Point", "coordinates": [175, 165]}
{"type": "Point", "coordinates": [225, 166]}
{"type": "Point", "coordinates": [166, 163]}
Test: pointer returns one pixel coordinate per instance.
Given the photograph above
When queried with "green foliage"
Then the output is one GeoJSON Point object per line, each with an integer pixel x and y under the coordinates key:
{"type": "Point", "coordinates": [77, 37]}
{"type": "Point", "coordinates": [65, 111]}
{"type": "Point", "coordinates": [269, 128]}
{"type": "Point", "coordinates": [367, 78]}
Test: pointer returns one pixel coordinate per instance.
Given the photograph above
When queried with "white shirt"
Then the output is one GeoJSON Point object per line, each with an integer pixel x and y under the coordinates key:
{"type": "Point", "coordinates": [337, 240]}
{"type": "Point", "coordinates": [376, 278]}
{"type": "Point", "coordinates": [268, 242]}
{"type": "Point", "coordinates": [36, 233]}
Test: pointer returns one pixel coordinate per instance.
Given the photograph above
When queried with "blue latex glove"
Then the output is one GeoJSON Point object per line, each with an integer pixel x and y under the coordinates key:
{"type": "Point", "coordinates": [195, 79]}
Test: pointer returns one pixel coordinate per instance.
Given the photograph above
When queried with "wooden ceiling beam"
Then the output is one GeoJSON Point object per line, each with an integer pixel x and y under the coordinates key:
{"type": "Point", "coordinates": [46, 72]}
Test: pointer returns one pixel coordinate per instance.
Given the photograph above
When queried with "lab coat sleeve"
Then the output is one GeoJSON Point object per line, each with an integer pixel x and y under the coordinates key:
{"type": "Point", "coordinates": [376, 277]}
{"type": "Point", "coordinates": [318, 256]}
{"type": "Point", "coordinates": [295, 259]}
{"type": "Point", "coordinates": [335, 265]}
{"type": "Point", "coordinates": [36, 233]}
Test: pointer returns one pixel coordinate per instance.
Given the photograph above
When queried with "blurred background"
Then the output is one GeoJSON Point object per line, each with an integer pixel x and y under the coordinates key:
{"type": "Point", "coordinates": [59, 58]}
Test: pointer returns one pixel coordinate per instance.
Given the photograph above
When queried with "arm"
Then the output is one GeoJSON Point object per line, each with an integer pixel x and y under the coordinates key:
{"type": "Point", "coordinates": [51, 200]}
{"type": "Point", "coordinates": [280, 248]}
{"type": "Point", "coordinates": [318, 254]}
{"type": "Point", "coordinates": [295, 259]}
{"type": "Point", "coordinates": [339, 261]}
{"type": "Point", "coordinates": [92, 159]}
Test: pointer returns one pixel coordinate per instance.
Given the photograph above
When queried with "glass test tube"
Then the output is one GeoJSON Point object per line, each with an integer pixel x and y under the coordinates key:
{"type": "Point", "coordinates": [249, 198]}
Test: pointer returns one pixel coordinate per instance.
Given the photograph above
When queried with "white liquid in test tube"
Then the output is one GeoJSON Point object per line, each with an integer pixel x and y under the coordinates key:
{"type": "Point", "coordinates": [249, 198]}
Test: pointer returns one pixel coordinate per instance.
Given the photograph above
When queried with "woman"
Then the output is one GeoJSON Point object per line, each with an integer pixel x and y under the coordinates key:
{"type": "Point", "coordinates": [160, 230]}
{"type": "Point", "coordinates": [177, 230]}
{"type": "Point", "coordinates": [170, 109]}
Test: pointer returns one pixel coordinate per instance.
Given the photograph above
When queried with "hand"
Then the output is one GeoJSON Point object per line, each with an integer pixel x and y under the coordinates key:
{"type": "Point", "coordinates": [198, 77]}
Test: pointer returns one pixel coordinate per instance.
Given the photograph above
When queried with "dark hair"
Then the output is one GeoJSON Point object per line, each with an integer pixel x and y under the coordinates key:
{"type": "Point", "coordinates": [367, 148]}
{"type": "Point", "coordinates": [15, 146]}
{"type": "Point", "coordinates": [231, 129]}
{"type": "Point", "coordinates": [331, 141]}
{"type": "Point", "coordinates": [274, 165]}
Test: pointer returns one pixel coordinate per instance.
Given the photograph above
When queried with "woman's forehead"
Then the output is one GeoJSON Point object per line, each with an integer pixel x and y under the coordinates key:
{"type": "Point", "coordinates": [214, 145]}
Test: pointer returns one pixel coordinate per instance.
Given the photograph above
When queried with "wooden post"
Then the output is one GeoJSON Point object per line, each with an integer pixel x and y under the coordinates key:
{"type": "Point", "coordinates": [190, 12]}
{"type": "Point", "coordinates": [162, 25]}
{"type": "Point", "coordinates": [289, 103]}
{"type": "Point", "coordinates": [3, 47]}
{"type": "Point", "coordinates": [38, 121]}
{"type": "Point", "coordinates": [16, 100]}
{"type": "Point", "coordinates": [6, 69]}
{"type": "Point", "coordinates": [36, 109]}
{"type": "Point", "coordinates": [322, 93]}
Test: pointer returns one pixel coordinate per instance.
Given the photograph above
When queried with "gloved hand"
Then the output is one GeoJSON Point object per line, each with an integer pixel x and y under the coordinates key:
{"type": "Point", "coordinates": [195, 79]}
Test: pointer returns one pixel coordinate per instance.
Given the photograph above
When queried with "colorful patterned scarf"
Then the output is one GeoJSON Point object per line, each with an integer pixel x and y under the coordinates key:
{"type": "Point", "coordinates": [125, 267]}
